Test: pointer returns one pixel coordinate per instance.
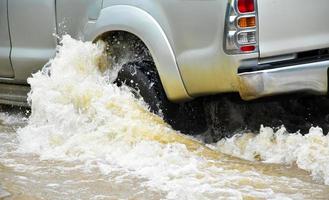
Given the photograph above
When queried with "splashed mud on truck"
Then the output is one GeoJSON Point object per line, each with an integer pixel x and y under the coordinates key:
{"type": "Point", "coordinates": [88, 138]}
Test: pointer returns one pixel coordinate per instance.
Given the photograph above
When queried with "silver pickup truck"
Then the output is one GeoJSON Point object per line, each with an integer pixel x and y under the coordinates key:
{"type": "Point", "coordinates": [182, 48]}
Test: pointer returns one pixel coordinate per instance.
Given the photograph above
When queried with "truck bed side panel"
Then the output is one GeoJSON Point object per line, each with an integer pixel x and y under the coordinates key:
{"type": "Point", "coordinates": [288, 26]}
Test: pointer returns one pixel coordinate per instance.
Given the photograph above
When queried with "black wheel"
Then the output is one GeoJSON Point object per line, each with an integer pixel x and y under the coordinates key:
{"type": "Point", "coordinates": [142, 76]}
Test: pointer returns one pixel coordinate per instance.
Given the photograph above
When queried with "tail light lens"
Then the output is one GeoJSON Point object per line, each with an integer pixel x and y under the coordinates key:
{"type": "Point", "coordinates": [245, 6]}
{"type": "Point", "coordinates": [241, 27]}
{"type": "Point", "coordinates": [247, 37]}
{"type": "Point", "coordinates": [246, 22]}
{"type": "Point", "coordinates": [247, 48]}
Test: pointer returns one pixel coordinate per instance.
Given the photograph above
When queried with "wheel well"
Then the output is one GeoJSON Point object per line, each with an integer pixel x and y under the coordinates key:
{"type": "Point", "coordinates": [123, 47]}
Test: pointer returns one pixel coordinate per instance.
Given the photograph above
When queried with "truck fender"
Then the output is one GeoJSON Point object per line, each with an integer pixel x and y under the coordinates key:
{"type": "Point", "coordinates": [138, 22]}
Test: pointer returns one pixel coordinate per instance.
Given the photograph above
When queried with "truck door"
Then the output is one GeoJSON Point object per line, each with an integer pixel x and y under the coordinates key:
{"type": "Point", "coordinates": [32, 24]}
{"type": "Point", "coordinates": [5, 66]}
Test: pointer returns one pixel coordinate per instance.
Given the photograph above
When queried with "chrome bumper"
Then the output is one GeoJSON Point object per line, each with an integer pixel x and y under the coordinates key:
{"type": "Point", "coordinates": [308, 77]}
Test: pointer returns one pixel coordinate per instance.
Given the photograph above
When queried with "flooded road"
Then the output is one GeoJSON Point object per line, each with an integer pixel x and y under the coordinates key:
{"type": "Point", "coordinates": [147, 170]}
{"type": "Point", "coordinates": [86, 138]}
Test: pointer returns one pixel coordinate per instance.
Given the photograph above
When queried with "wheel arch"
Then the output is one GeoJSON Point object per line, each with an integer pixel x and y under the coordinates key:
{"type": "Point", "coordinates": [141, 24]}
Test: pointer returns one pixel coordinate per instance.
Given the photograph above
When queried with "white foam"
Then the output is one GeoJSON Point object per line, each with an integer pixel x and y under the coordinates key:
{"type": "Point", "coordinates": [310, 152]}
{"type": "Point", "coordinates": [12, 119]}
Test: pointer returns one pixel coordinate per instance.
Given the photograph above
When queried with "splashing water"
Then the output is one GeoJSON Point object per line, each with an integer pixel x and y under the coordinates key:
{"type": "Point", "coordinates": [310, 152]}
{"type": "Point", "coordinates": [87, 137]}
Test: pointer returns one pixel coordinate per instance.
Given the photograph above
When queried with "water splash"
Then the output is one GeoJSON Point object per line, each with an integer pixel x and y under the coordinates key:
{"type": "Point", "coordinates": [79, 115]}
{"type": "Point", "coordinates": [310, 152]}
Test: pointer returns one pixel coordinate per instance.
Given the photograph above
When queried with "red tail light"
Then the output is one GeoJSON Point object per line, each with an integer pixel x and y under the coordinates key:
{"type": "Point", "coordinates": [247, 48]}
{"type": "Point", "coordinates": [241, 27]}
{"type": "Point", "coordinates": [245, 6]}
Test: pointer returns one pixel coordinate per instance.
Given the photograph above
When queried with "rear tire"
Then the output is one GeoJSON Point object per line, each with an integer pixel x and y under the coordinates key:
{"type": "Point", "coordinates": [143, 78]}
{"type": "Point", "coordinates": [145, 82]}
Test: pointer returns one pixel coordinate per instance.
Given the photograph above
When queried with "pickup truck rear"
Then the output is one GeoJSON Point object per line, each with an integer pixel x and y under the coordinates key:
{"type": "Point", "coordinates": [184, 49]}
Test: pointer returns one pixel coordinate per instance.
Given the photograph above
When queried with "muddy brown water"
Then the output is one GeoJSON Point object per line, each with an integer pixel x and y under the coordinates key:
{"type": "Point", "coordinates": [26, 176]}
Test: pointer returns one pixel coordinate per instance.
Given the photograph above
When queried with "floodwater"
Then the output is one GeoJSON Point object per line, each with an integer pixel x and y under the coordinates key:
{"type": "Point", "coordinates": [86, 138]}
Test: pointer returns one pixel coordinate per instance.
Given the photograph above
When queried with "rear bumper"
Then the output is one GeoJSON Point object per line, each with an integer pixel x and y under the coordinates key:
{"type": "Point", "coordinates": [309, 77]}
